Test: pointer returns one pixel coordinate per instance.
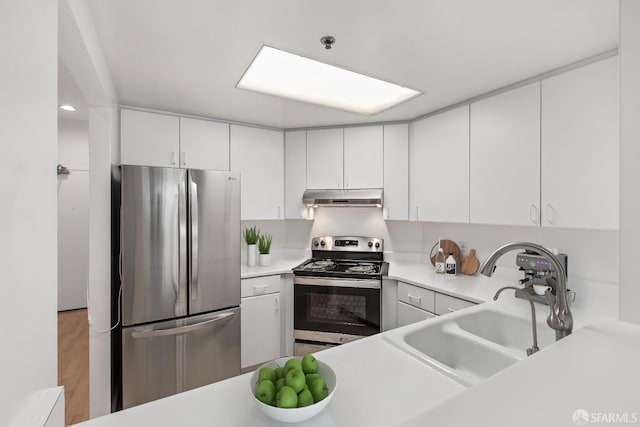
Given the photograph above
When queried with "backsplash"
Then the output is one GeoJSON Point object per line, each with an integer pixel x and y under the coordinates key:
{"type": "Point", "coordinates": [593, 254]}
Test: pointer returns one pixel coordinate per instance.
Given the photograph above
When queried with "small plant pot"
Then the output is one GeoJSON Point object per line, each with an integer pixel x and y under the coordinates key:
{"type": "Point", "coordinates": [265, 260]}
{"type": "Point", "coordinates": [251, 255]}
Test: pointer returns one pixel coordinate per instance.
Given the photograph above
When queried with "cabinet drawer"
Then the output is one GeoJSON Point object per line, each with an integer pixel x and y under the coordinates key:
{"type": "Point", "coordinates": [260, 285]}
{"type": "Point", "coordinates": [416, 296]}
{"type": "Point", "coordinates": [448, 304]}
{"type": "Point", "coordinates": [408, 314]}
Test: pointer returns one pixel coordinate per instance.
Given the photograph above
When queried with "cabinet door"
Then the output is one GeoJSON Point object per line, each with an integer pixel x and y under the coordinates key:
{"type": "Point", "coordinates": [260, 329]}
{"type": "Point", "coordinates": [204, 144]}
{"type": "Point", "coordinates": [396, 172]}
{"type": "Point", "coordinates": [505, 158]}
{"type": "Point", "coordinates": [439, 177]}
{"type": "Point", "coordinates": [408, 314]}
{"type": "Point", "coordinates": [295, 173]}
{"type": "Point", "coordinates": [324, 158]}
{"type": "Point", "coordinates": [580, 147]}
{"type": "Point", "coordinates": [258, 154]}
{"type": "Point", "coordinates": [149, 139]}
{"type": "Point", "coordinates": [363, 151]}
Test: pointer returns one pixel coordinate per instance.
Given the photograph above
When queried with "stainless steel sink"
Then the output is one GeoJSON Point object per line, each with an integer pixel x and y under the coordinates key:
{"type": "Point", "coordinates": [471, 345]}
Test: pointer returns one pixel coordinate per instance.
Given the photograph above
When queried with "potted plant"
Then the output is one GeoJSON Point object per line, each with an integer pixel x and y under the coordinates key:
{"type": "Point", "coordinates": [251, 236]}
{"type": "Point", "coordinates": [264, 246]}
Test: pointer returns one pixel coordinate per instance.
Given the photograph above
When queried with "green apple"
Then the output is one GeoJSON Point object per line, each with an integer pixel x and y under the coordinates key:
{"type": "Point", "coordinates": [279, 384]}
{"type": "Point", "coordinates": [305, 398]}
{"type": "Point", "coordinates": [267, 374]}
{"type": "Point", "coordinates": [309, 364]}
{"type": "Point", "coordinates": [319, 389]}
{"type": "Point", "coordinates": [295, 379]}
{"type": "Point", "coordinates": [287, 398]}
{"type": "Point", "coordinates": [266, 392]}
{"type": "Point", "coordinates": [311, 377]}
{"type": "Point", "coordinates": [292, 363]}
{"type": "Point", "coordinates": [279, 371]}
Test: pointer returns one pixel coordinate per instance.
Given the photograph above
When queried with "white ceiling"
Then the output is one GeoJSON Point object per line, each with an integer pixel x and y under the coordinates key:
{"type": "Point", "coordinates": [187, 56]}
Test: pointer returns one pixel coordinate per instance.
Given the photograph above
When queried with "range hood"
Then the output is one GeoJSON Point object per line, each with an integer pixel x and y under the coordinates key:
{"type": "Point", "coordinates": [371, 197]}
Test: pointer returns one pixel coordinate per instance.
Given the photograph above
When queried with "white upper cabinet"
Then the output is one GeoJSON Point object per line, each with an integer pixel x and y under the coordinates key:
{"type": "Point", "coordinates": [295, 162]}
{"type": "Point", "coordinates": [363, 151]}
{"type": "Point", "coordinates": [396, 172]}
{"type": "Point", "coordinates": [505, 158]}
{"type": "Point", "coordinates": [439, 167]}
{"type": "Point", "coordinates": [325, 158]}
{"type": "Point", "coordinates": [258, 154]}
{"type": "Point", "coordinates": [204, 144]}
{"type": "Point", "coordinates": [149, 139]}
{"type": "Point", "coordinates": [580, 147]}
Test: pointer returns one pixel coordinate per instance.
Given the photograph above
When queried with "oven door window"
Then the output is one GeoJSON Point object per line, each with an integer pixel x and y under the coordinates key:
{"type": "Point", "coordinates": [353, 311]}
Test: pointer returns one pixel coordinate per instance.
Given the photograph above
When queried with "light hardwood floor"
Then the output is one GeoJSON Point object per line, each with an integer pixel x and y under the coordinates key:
{"type": "Point", "coordinates": [73, 364]}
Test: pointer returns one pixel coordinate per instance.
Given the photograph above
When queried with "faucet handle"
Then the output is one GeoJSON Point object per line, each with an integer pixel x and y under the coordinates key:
{"type": "Point", "coordinates": [553, 320]}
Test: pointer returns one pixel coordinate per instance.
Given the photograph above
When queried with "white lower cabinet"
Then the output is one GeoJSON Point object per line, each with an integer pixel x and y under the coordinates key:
{"type": "Point", "coordinates": [261, 326]}
{"type": "Point", "coordinates": [408, 314]}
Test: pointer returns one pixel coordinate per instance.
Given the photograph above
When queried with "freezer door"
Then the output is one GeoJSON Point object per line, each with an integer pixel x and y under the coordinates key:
{"type": "Point", "coordinates": [153, 244]}
{"type": "Point", "coordinates": [165, 358]}
{"type": "Point", "coordinates": [214, 205]}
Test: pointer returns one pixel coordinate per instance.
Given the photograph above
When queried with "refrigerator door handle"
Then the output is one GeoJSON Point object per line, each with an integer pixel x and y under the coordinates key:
{"type": "Point", "coordinates": [155, 333]}
{"type": "Point", "coordinates": [181, 276]}
{"type": "Point", "coordinates": [193, 290]}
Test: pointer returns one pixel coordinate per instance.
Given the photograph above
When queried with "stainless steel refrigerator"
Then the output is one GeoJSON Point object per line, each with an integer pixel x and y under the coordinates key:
{"type": "Point", "coordinates": [179, 281]}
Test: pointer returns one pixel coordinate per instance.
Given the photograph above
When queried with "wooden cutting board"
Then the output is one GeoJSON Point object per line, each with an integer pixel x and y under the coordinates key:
{"type": "Point", "coordinates": [448, 246]}
{"type": "Point", "coordinates": [470, 264]}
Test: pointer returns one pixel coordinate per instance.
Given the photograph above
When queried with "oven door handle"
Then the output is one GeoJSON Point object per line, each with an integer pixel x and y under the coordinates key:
{"type": "Point", "coordinates": [343, 283]}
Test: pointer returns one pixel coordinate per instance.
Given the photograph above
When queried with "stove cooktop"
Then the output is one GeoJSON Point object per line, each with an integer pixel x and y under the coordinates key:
{"type": "Point", "coordinates": [342, 268]}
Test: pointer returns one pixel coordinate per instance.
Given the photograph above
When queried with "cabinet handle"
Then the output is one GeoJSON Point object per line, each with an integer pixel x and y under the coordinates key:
{"type": "Point", "coordinates": [173, 158]}
{"type": "Point", "coordinates": [549, 210]}
{"type": "Point", "coordinates": [413, 297]}
{"type": "Point", "coordinates": [277, 303]}
{"type": "Point", "coordinates": [338, 182]}
{"type": "Point", "coordinates": [347, 182]}
{"type": "Point", "coordinates": [261, 289]}
{"type": "Point", "coordinates": [451, 309]}
{"type": "Point", "coordinates": [417, 216]}
{"type": "Point", "coordinates": [533, 214]}
{"type": "Point", "coordinates": [183, 156]}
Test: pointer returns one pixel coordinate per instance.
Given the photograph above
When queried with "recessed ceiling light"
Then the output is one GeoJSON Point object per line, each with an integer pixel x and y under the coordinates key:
{"type": "Point", "coordinates": [67, 107]}
{"type": "Point", "coordinates": [284, 74]}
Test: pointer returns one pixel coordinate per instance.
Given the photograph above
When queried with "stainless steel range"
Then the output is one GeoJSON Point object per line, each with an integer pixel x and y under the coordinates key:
{"type": "Point", "coordinates": [337, 293]}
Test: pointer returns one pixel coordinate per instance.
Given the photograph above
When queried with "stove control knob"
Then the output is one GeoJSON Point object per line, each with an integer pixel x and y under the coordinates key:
{"type": "Point", "coordinates": [370, 244]}
{"type": "Point", "coordinates": [316, 244]}
{"type": "Point", "coordinates": [377, 245]}
{"type": "Point", "coordinates": [322, 242]}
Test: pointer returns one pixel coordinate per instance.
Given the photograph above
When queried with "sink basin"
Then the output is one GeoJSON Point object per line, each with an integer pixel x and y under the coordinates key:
{"type": "Point", "coordinates": [471, 345]}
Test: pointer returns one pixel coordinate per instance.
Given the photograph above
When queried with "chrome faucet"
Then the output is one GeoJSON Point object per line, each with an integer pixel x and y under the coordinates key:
{"type": "Point", "coordinates": [560, 318]}
{"type": "Point", "coordinates": [534, 348]}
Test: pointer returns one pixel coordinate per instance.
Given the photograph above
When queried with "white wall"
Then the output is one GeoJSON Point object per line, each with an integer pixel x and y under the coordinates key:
{"type": "Point", "coordinates": [28, 107]}
{"type": "Point", "coordinates": [629, 156]}
{"type": "Point", "coordinates": [73, 214]}
{"type": "Point", "coordinates": [593, 255]}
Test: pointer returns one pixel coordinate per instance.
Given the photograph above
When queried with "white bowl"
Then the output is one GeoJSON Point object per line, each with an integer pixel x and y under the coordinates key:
{"type": "Point", "coordinates": [293, 415]}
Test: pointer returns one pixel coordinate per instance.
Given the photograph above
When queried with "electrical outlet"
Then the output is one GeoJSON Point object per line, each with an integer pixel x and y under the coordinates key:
{"type": "Point", "coordinates": [90, 319]}
{"type": "Point", "coordinates": [463, 247]}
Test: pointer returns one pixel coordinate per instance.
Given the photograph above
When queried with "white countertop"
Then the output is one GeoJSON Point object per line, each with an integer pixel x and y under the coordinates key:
{"type": "Point", "coordinates": [380, 385]}
{"type": "Point", "coordinates": [281, 263]}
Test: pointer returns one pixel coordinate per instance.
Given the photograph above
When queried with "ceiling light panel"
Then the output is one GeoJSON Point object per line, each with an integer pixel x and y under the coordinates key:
{"type": "Point", "coordinates": [284, 74]}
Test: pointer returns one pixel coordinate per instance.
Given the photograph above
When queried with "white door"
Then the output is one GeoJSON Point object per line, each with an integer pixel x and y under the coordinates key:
{"type": "Point", "coordinates": [580, 147]}
{"type": "Point", "coordinates": [149, 139]}
{"type": "Point", "coordinates": [505, 158]}
{"type": "Point", "coordinates": [204, 144]}
{"type": "Point", "coordinates": [295, 173]}
{"type": "Point", "coordinates": [73, 239]}
{"type": "Point", "coordinates": [396, 172]}
{"type": "Point", "coordinates": [408, 314]}
{"type": "Point", "coordinates": [260, 329]}
{"type": "Point", "coordinates": [439, 178]}
{"type": "Point", "coordinates": [258, 154]}
{"type": "Point", "coordinates": [325, 159]}
{"type": "Point", "coordinates": [363, 153]}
